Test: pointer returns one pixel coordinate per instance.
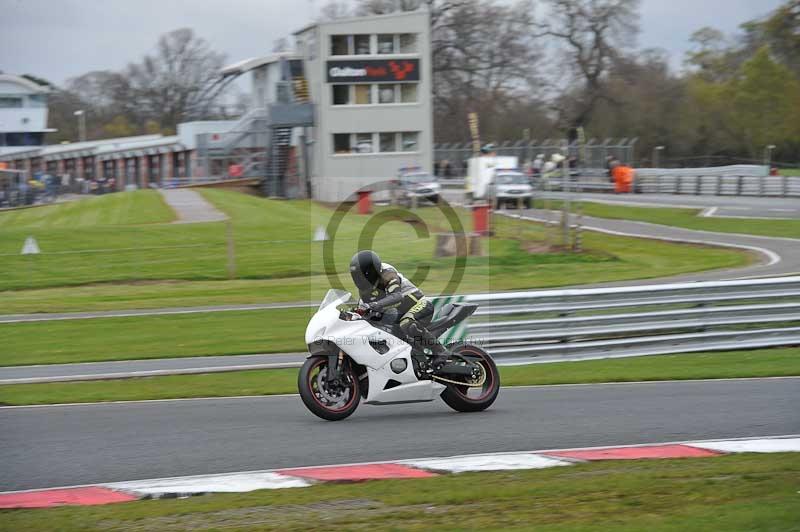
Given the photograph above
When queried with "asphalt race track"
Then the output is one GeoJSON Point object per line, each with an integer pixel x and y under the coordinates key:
{"type": "Point", "coordinates": [723, 206]}
{"type": "Point", "coordinates": [79, 444]}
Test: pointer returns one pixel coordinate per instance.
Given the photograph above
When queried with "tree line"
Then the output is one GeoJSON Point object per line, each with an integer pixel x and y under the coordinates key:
{"type": "Point", "coordinates": [527, 68]}
{"type": "Point", "coordinates": [174, 83]}
{"type": "Point", "coordinates": [545, 68]}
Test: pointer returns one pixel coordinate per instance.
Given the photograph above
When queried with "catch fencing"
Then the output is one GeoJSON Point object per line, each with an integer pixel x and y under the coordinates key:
{"type": "Point", "coordinates": [451, 158]}
{"type": "Point", "coordinates": [583, 324]}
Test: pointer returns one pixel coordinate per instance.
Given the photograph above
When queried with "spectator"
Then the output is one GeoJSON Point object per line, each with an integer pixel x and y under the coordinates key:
{"type": "Point", "coordinates": [623, 178]}
{"type": "Point", "coordinates": [537, 164]}
{"type": "Point", "coordinates": [552, 165]}
{"type": "Point", "coordinates": [611, 163]}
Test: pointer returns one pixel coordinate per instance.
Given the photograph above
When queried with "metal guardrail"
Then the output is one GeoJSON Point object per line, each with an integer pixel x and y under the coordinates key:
{"type": "Point", "coordinates": [709, 185]}
{"type": "Point", "coordinates": [572, 324]}
{"type": "Point", "coordinates": [575, 324]}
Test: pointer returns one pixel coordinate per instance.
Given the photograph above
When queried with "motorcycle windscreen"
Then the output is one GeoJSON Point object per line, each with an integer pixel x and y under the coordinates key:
{"type": "Point", "coordinates": [334, 297]}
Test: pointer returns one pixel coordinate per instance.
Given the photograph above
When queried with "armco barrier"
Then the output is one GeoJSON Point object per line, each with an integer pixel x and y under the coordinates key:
{"type": "Point", "coordinates": [719, 185]}
{"type": "Point", "coordinates": [574, 324]}
{"type": "Point", "coordinates": [707, 185]}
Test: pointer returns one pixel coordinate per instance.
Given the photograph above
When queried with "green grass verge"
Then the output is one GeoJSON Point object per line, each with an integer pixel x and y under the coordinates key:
{"type": "Point", "coordinates": [790, 171]}
{"type": "Point", "coordinates": [170, 336]}
{"type": "Point", "coordinates": [171, 264]}
{"type": "Point", "coordinates": [690, 219]}
{"type": "Point", "coordinates": [725, 493]}
{"type": "Point", "coordinates": [129, 208]}
{"type": "Point", "coordinates": [759, 363]}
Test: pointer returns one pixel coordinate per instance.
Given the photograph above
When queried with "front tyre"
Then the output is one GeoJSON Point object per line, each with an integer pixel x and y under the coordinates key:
{"type": "Point", "coordinates": [473, 399]}
{"type": "Point", "coordinates": [331, 401]}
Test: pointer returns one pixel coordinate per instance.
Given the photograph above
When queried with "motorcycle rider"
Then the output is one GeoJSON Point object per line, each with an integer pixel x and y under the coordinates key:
{"type": "Point", "coordinates": [382, 287]}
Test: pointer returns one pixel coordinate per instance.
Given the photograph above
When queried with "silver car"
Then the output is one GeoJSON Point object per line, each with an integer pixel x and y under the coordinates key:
{"type": "Point", "coordinates": [419, 185]}
{"type": "Point", "coordinates": [509, 187]}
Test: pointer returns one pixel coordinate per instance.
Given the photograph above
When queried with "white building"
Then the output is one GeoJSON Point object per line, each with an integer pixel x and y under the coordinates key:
{"type": "Point", "coordinates": [370, 79]}
{"type": "Point", "coordinates": [23, 112]}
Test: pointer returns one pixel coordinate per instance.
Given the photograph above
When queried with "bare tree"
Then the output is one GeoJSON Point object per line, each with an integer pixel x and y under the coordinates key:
{"type": "Point", "coordinates": [335, 9]}
{"type": "Point", "coordinates": [383, 7]}
{"type": "Point", "coordinates": [591, 35]}
{"type": "Point", "coordinates": [484, 61]}
{"type": "Point", "coordinates": [177, 82]}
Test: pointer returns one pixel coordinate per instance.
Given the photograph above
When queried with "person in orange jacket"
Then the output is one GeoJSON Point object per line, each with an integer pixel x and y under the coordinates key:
{"type": "Point", "coordinates": [623, 178]}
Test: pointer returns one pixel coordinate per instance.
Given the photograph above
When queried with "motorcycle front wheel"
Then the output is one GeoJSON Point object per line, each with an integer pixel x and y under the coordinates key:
{"type": "Point", "coordinates": [473, 398]}
{"type": "Point", "coordinates": [331, 401]}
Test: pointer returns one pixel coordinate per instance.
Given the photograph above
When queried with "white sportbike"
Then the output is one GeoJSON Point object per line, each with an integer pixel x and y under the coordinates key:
{"type": "Point", "coordinates": [354, 355]}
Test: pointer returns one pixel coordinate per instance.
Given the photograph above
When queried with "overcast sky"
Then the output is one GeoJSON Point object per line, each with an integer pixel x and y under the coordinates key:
{"type": "Point", "coordinates": [59, 39]}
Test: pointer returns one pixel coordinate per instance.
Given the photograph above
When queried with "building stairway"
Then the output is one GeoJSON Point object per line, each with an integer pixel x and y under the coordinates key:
{"type": "Point", "coordinates": [261, 140]}
{"type": "Point", "coordinates": [279, 151]}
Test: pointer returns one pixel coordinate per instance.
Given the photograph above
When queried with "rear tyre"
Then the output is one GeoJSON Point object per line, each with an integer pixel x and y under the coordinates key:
{"type": "Point", "coordinates": [473, 399]}
{"type": "Point", "coordinates": [332, 402]}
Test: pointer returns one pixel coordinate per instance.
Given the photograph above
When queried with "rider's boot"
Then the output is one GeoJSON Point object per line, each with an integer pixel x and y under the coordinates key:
{"type": "Point", "coordinates": [440, 356]}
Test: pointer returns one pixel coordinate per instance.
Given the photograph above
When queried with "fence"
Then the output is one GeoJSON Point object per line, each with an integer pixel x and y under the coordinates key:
{"type": "Point", "coordinates": [591, 156]}
{"type": "Point", "coordinates": [576, 324]}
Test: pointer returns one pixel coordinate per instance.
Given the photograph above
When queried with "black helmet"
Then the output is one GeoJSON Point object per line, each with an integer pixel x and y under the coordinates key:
{"type": "Point", "coordinates": [365, 268]}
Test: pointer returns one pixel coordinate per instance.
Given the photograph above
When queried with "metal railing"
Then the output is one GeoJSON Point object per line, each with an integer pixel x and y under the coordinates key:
{"type": "Point", "coordinates": [576, 324]}
{"type": "Point", "coordinates": [704, 185]}
{"type": "Point", "coordinates": [719, 185]}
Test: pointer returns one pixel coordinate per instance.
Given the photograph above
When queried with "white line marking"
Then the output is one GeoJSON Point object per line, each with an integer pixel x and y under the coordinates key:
{"type": "Point", "coordinates": [482, 462]}
{"type": "Point", "coordinates": [224, 483]}
{"type": "Point", "coordinates": [709, 212]}
{"type": "Point", "coordinates": [506, 388]}
{"type": "Point", "coordinates": [139, 401]}
{"type": "Point", "coordinates": [756, 445]}
{"type": "Point", "coordinates": [592, 199]}
{"type": "Point", "coordinates": [732, 217]}
{"type": "Point", "coordinates": [627, 383]}
{"type": "Point", "coordinates": [127, 361]}
{"type": "Point", "coordinates": [153, 312]}
{"type": "Point", "coordinates": [152, 373]}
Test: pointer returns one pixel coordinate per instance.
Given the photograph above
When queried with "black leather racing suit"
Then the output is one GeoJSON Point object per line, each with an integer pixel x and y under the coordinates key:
{"type": "Point", "coordinates": [414, 310]}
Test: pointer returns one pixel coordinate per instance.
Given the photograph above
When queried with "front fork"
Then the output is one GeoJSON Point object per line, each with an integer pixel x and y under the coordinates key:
{"type": "Point", "coordinates": [335, 365]}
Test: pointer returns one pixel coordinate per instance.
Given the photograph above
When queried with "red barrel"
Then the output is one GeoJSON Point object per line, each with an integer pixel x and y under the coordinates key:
{"type": "Point", "coordinates": [480, 218]}
{"type": "Point", "coordinates": [364, 202]}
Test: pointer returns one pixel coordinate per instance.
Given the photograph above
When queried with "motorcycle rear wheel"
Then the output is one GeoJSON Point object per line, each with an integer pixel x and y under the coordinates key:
{"type": "Point", "coordinates": [319, 399]}
{"type": "Point", "coordinates": [473, 399]}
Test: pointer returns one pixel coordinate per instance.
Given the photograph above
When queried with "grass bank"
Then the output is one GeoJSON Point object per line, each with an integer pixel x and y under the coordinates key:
{"type": "Point", "coordinates": [757, 363]}
{"type": "Point", "coordinates": [725, 493]}
{"type": "Point", "coordinates": [130, 208]}
{"type": "Point", "coordinates": [170, 336]}
{"type": "Point", "coordinates": [146, 265]}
